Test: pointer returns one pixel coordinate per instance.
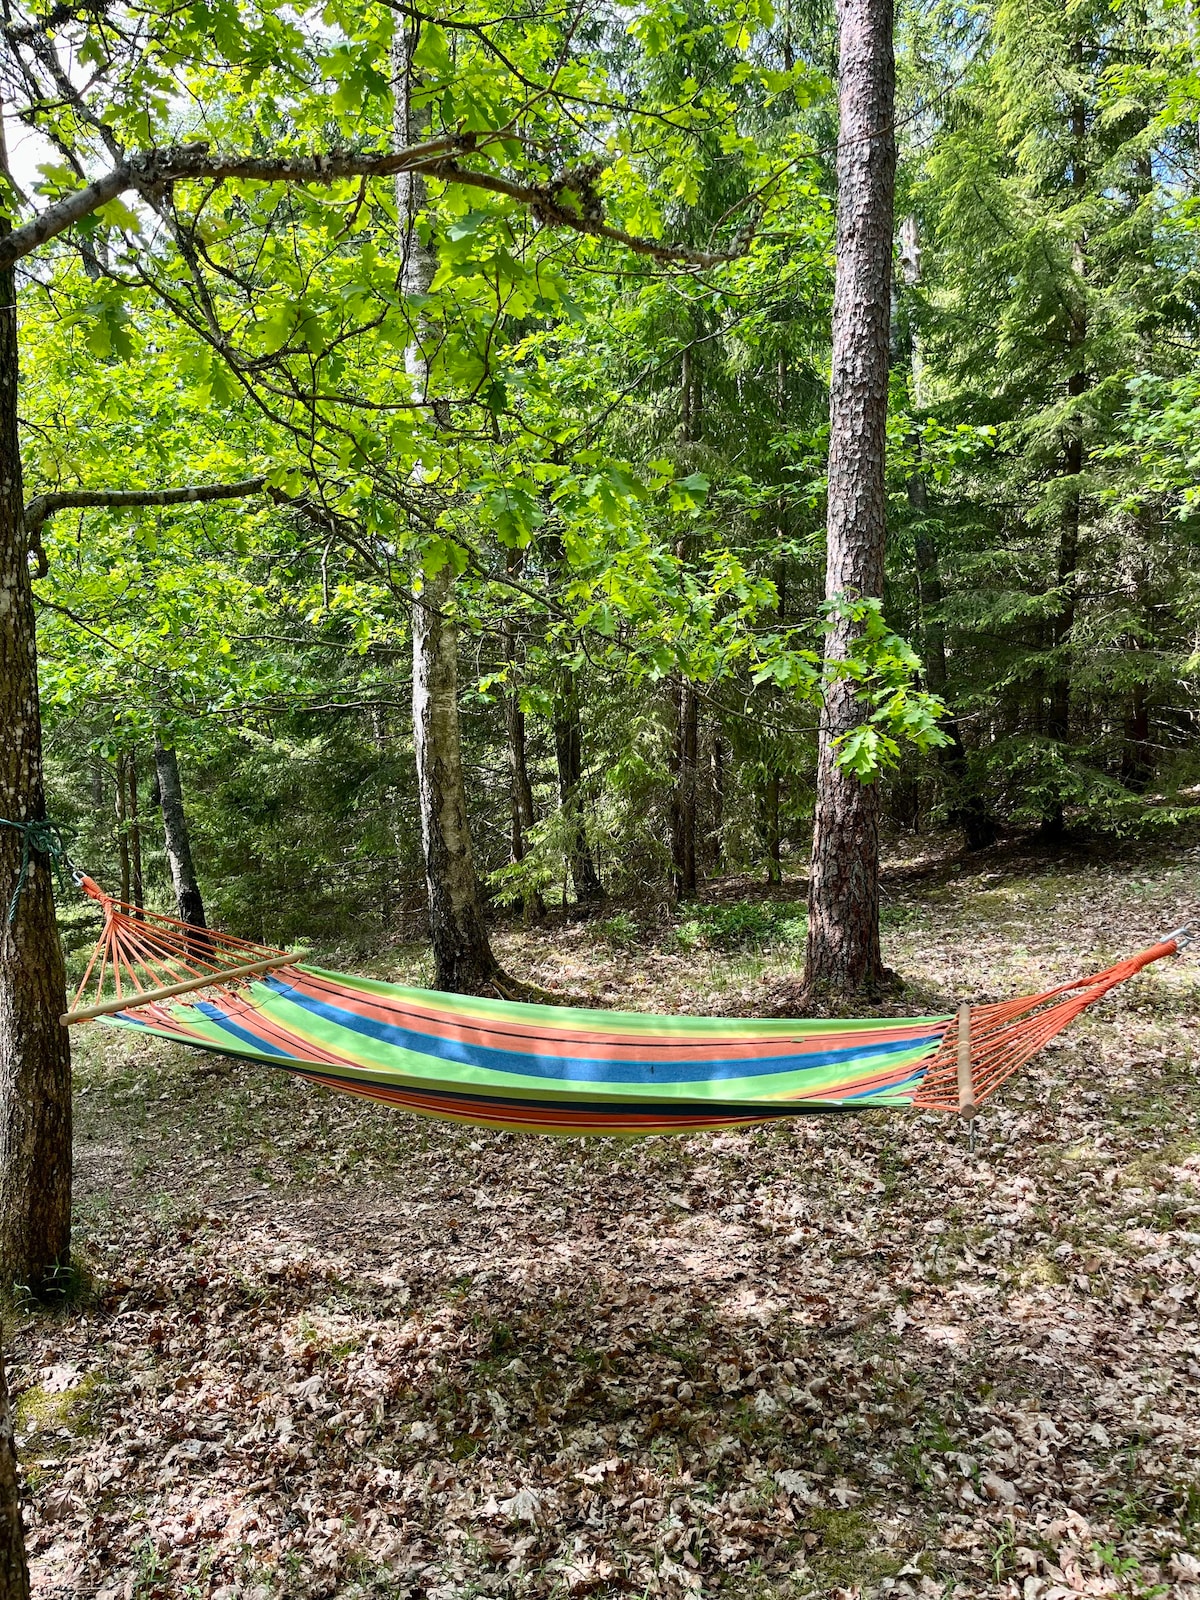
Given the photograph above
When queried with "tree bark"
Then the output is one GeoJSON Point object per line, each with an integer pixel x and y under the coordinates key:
{"type": "Point", "coordinates": [967, 810]}
{"type": "Point", "coordinates": [568, 752]}
{"type": "Point", "coordinates": [120, 810]}
{"type": "Point", "coordinates": [520, 790]}
{"type": "Point", "coordinates": [137, 884]}
{"type": "Point", "coordinates": [772, 831]}
{"type": "Point", "coordinates": [843, 952]}
{"type": "Point", "coordinates": [683, 796]}
{"type": "Point", "coordinates": [717, 773]}
{"type": "Point", "coordinates": [14, 1572]}
{"type": "Point", "coordinates": [462, 955]}
{"type": "Point", "coordinates": [35, 1056]}
{"type": "Point", "coordinates": [1058, 722]}
{"type": "Point", "coordinates": [686, 704]}
{"type": "Point", "coordinates": [177, 836]}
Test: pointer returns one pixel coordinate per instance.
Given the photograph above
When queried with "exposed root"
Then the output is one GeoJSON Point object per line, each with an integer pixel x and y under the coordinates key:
{"type": "Point", "coordinates": [796, 998]}
{"type": "Point", "coordinates": [503, 986]}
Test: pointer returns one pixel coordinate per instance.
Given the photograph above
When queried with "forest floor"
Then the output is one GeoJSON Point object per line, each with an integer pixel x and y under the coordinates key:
{"type": "Point", "coordinates": [325, 1349]}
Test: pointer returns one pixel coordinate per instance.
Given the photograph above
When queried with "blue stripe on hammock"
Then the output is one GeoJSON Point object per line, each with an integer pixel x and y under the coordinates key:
{"type": "Point", "coordinates": [571, 1069]}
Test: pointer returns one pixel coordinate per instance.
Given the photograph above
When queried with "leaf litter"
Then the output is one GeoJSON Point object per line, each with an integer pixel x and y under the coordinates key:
{"type": "Point", "coordinates": [330, 1350]}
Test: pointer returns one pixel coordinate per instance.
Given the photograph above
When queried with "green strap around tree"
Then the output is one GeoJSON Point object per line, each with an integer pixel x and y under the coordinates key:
{"type": "Point", "coordinates": [49, 839]}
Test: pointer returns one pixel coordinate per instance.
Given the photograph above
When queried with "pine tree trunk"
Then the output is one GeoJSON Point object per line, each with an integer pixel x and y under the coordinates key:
{"type": "Point", "coordinates": [463, 959]}
{"type": "Point", "coordinates": [1137, 755]}
{"type": "Point", "coordinates": [843, 953]}
{"type": "Point", "coordinates": [14, 1573]}
{"type": "Point", "coordinates": [568, 753]}
{"type": "Point", "coordinates": [35, 1055]}
{"type": "Point", "coordinates": [177, 836]}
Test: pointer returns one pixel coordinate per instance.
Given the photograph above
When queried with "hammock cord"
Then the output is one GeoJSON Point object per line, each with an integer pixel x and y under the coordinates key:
{"type": "Point", "coordinates": [49, 839]}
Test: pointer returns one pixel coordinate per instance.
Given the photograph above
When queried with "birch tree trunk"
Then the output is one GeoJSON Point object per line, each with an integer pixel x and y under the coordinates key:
{"type": "Point", "coordinates": [177, 836]}
{"type": "Point", "coordinates": [462, 955]}
{"type": "Point", "coordinates": [843, 953]}
{"type": "Point", "coordinates": [463, 958]}
{"type": "Point", "coordinates": [14, 1572]}
{"type": "Point", "coordinates": [35, 1055]}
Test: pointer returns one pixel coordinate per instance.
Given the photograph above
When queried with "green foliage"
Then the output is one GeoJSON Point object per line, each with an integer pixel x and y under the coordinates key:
{"type": "Point", "coordinates": [744, 925]}
{"type": "Point", "coordinates": [624, 469]}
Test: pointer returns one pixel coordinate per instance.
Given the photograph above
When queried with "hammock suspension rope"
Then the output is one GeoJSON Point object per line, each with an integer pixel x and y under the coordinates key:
{"type": "Point", "coordinates": [50, 839]}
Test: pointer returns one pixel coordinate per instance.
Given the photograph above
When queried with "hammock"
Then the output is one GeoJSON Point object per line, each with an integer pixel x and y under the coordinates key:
{"type": "Point", "coordinates": [550, 1069]}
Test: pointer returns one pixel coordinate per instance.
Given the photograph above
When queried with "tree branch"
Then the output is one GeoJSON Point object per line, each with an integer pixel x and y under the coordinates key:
{"type": "Point", "coordinates": [152, 169]}
{"type": "Point", "coordinates": [44, 506]}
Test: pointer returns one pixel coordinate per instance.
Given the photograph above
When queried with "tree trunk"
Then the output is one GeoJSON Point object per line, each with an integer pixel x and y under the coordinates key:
{"type": "Point", "coordinates": [462, 955]}
{"type": "Point", "coordinates": [967, 810]}
{"type": "Point", "coordinates": [14, 1573]}
{"type": "Point", "coordinates": [520, 790]}
{"type": "Point", "coordinates": [843, 953]}
{"type": "Point", "coordinates": [773, 783]}
{"type": "Point", "coordinates": [1137, 755]}
{"type": "Point", "coordinates": [772, 831]}
{"type": "Point", "coordinates": [177, 836]}
{"type": "Point", "coordinates": [717, 772]}
{"type": "Point", "coordinates": [121, 810]}
{"type": "Point", "coordinates": [1058, 724]}
{"type": "Point", "coordinates": [35, 1055]}
{"type": "Point", "coordinates": [463, 959]}
{"type": "Point", "coordinates": [568, 752]}
{"type": "Point", "coordinates": [686, 704]}
{"type": "Point", "coordinates": [137, 885]}
{"type": "Point", "coordinates": [683, 797]}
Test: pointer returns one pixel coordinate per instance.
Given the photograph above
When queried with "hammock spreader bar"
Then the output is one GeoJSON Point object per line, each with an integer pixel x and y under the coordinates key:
{"type": "Point", "coordinates": [551, 1069]}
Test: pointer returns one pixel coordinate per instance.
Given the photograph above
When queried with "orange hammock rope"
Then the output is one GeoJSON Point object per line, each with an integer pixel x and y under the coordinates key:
{"type": "Point", "coordinates": [1005, 1035]}
{"type": "Point", "coordinates": [143, 956]}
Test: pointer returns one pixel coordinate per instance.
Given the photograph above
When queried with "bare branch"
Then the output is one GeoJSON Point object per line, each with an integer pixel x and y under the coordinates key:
{"type": "Point", "coordinates": [44, 506]}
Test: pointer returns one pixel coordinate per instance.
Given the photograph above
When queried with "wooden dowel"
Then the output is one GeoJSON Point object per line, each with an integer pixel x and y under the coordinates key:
{"type": "Point", "coordinates": [146, 997]}
{"type": "Point", "coordinates": [966, 1085]}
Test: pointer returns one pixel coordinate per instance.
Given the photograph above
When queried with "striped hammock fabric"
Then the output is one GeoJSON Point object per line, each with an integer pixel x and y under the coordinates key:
{"type": "Point", "coordinates": [550, 1069]}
